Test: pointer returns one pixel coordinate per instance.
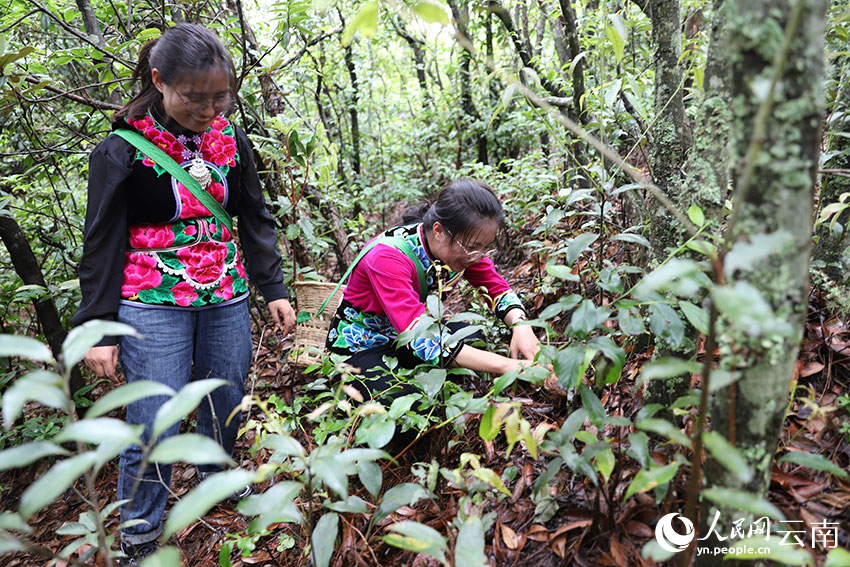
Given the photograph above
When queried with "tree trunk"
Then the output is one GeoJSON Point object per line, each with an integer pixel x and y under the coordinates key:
{"type": "Point", "coordinates": [571, 34]}
{"type": "Point", "coordinates": [773, 194]}
{"type": "Point", "coordinates": [352, 111]}
{"type": "Point", "coordinates": [418, 55]}
{"type": "Point", "coordinates": [28, 269]}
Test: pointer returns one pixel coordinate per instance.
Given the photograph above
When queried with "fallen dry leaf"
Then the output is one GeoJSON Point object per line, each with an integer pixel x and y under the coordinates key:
{"type": "Point", "coordinates": [509, 537]}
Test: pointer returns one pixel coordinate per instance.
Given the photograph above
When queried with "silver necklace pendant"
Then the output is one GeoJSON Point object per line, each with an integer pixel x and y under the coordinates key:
{"type": "Point", "coordinates": [200, 172]}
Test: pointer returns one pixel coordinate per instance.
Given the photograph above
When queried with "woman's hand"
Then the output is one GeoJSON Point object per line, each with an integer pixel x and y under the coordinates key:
{"type": "Point", "coordinates": [524, 342]}
{"type": "Point", "coordinates": [102, 360]}
{"type": "Point", "coordinates": [283, 314]}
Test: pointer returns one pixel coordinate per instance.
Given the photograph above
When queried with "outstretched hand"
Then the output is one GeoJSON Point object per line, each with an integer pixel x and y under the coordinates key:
{"type": "Point", "coordinates": [524, 342]}
{"type": "Point", "coordinates": [283, 314]}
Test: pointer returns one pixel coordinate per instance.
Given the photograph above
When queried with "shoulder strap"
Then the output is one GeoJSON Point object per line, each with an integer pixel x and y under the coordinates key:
{"type": "Point", "coordinates": [397, 243]}
{"type": "Point", "coordinates": [167, 162]}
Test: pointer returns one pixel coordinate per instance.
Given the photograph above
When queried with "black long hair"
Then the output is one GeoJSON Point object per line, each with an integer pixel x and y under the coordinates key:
{"type": "Point", "coordinates": [460, 207]}
{"type": "Point", "coordinates": [181, 50]}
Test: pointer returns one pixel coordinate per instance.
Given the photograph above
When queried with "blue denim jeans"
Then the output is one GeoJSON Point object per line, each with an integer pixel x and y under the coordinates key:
{"type": "Point", "coordinates": [217, 343]}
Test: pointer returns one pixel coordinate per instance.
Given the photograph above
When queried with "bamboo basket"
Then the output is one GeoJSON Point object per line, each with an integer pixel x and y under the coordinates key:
{"type": "Point", "coordinates": [309, 340]}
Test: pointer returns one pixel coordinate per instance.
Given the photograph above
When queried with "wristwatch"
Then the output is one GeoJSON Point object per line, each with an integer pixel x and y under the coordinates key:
{"type": "Point", "coordinates": [521, 317]}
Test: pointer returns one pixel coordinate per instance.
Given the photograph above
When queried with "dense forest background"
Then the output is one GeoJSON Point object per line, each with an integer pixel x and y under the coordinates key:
{"type": "Point", "coordinates": [674, 175]}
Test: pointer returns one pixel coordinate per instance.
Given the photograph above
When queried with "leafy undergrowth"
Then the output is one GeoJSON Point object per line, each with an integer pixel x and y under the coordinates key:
{"type": "Point", "coordinates": [571, 518]}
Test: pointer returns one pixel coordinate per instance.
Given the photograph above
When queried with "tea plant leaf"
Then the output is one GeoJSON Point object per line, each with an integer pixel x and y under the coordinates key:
{"type": "Point", "coordinates": [590, 402]}
{"type": "Point", "coordinates": [101, 430]}
{"type": "Point", "coordinates": [837, 558]}
{"type": "Point", "coordinates": [371, 476]}
{"type": "Point", "coordinates": [696, 316]}
{"type": "Point", "coordinates": [744, 501]}
{"type": "Point", "coordinates": [418, 538]}
{"type": "Point", "coordinates": [81, 338]}
{"type": "Point", "coordinates": [666, 324]}
{"type": "Point", "coordinates": [645, 480]}
{"type": "Point", "coordinates": [16, 345]}
{"type": "Point", "coordinates": [164, 557]}
{"type": "Point", "coordinates": [42, 386]}
{"type": "Point", "coordinates": [273, 506]}
{"type": "Point", "coordinates": [578, 245]}
{"type": "Point", "coordinates": [431, 13]}
{"type": "Point", "coordinates": [772, 550]}
{"type": "Point", "coordinates": [53, 483]}
{"type": "Point", "coordinates": [727, 455]}
{"type": "Point", "coordinates": [432, 381]}
{"type": "Point", "coordinates": [376, 430]}
{"type": "Point", "coordinates": [127, 394]}
{"type": "Point", "coordinates": [352, 504]}
{"type": "Point", "coordinates": [182, 403]}
{"type": "Point", "coordinates": [190, 448]}
{"type": "Point", "coordinates": [405, 494]}
{"type": "Point", "coordinates": [200, 499]}
{"type": "Point", "coordinates": [813, 461]}
{"type": "Point", "coordinates": [324, 538]}
{"type": "Point", "coordinates": [28, 453]}
{"type": "Point", "coordinates": [668, 367]}
{"type": "Point", "coordinates": [665, 428]}
{"type": "Point", "coordinates": [469, 546]}
{"type": "Point", "coordinates": [630, 323]}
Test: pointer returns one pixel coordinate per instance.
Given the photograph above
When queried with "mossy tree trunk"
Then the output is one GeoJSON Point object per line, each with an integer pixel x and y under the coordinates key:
{"type": "Point", "coordinates": [776, 198]}
{"type": "Point", "coordinates": [832, 245]}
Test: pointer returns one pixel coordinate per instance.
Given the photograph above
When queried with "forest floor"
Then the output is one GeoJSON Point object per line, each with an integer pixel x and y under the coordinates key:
{"type": "Point", "coordinates": [591, 527]}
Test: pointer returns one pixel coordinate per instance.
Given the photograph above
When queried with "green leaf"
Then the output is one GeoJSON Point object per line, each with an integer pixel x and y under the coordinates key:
{"type": "Point", "coordinates": [567, 364]}
{"type": "Point", "coordinates": [561, 272]}
{"type": "Point", "coordinates": [605, 462]}
{"type": "Point", "coordinates": [776, 553]}
{"type": "Point", "coordinates": [273, 506]}
{"type": "Point", "coordinates": [696, 215]}
{"type": "Point", "coordinates": [182, 403]}
{"type": "Point", "coordinates": [731, 499]}
{"type": "Point", "coordinates": [366, 22]}
{"type": "Point", "coordinates": [283, 445]}
{"type": "Point", "coordinates": [101, 430]}
{"type": "Point", "coordinates": [665, 428]}
{"type": "Point", "coordinates": [665, 277]}
{"type": "Point", "coordinates": [668, 367]}
{"type": "Point", "coordinates": [418, 538]}
{"type": "Point", "coordinates": [613, 352]}
{"type": "Point", "coordinates": [666, 324]}
{"type": "Point", "coordinates": [469, 546]}
{"type": "Point", "coordinates": [41, 386]}
{"type": "Point", "coordinates": [817, 462]}
{"type": "Point", "coordinates": [697, 316]}
{"type": "Point", "coordinates": [405, 494]}
{"type": "Point", "coordinates": [633, 238]}
{"type": "Point", "coordinates": [10, 544]}
{"type": "Point", "coordinates": [630, 323]}
{"type": "Point", "coordinates": [323, 539]}
{"type": "Point", "coordinates": [727, 455]}
{"type": "Point", "coordinates": [747, 255]}
{"type": "Point", "coordinates": [333, 473]}
{"type": "Point", "coordinates": [431, 13]}
{"type": "Point", "coordinates": [594, 407]}
{"type": "Point", "coordinates": [292, 231]}
{"type": "Point", "coordinates": [164, 557]}
{"type": "Point", "coordinates": [402, 405]}
{"type": "Point", "coordinates": [639, 449]}
{"type": "Point", "coordinates": [371, 476]}
{"type": "Point", "coordinates": [376, 430]}
{"type": "Point", "coordinates": [127, 394]}
{"type": "Point", "coordinates": [53, 483]}
{"type": "Point", "coordinates": [351, 505]}
{"type": "Point", "coordinates": [578, 245]}
{"type": "Point", "coordinates": [190, 448]}
{"type": "Point", "coordinates": [200, 499]}
{"type": "Point", "coordinates": [16, 345]}
{"type": "Point", "coordinates": [148, 34]}
{"type": "Point", "coordinates": [80, 339]}
{"type": "Point", "coordinates": [838, 558]}
{"type": "Point", "coordinates": [617, 43]}
{"type": "Point", "coordinates": [587, 317]}
{"type": "Point", "coordinates": [646, 480]}
{"type": "Point", "coordinates": [432, 381]}
{"type": "Point", "coordinates": [487, 428]}
{"type": "Point", "coordinates": [23, 455]}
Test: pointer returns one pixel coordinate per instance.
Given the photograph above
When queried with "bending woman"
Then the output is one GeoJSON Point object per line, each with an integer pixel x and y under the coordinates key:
{"type": "Point", "coordinates": [158, 259]}
{"type": "Point", "coordinates": [383, 298]}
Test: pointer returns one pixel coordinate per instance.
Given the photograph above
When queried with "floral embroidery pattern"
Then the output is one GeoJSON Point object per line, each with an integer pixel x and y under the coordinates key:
{"type": "Point", "coordinates": [192, 262]}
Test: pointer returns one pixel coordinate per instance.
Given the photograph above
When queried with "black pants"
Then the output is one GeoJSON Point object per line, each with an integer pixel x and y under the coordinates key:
{"type": "Point", "coordinates": [375, 381]}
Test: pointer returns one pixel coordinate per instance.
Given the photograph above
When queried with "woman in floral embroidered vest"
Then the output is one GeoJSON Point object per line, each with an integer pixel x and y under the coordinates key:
{"type": "Point", "coordinates": [155, 258]}
{"type": "Point", "coordinates": [453, 240]}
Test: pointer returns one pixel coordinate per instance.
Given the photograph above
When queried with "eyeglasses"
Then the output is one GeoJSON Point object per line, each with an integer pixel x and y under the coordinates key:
{"type": "Point", "coordinates": [473, 254]}
{"type": "Point", "coordinates": [199, 103]}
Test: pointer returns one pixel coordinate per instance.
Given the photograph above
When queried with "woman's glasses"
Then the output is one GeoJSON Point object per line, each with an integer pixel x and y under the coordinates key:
{"type": "Point", "coordinates": [474, 253]}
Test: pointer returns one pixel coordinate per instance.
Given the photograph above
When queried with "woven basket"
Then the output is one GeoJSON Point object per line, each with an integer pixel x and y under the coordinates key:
{"type": "Point", "coordinates": [309, 341]}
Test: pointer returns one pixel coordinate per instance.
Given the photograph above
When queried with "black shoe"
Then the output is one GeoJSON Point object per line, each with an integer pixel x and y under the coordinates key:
{"type": "Point", "coordinates": [135, 554]}
{"type": "Point", "coordinates": [234, 498]}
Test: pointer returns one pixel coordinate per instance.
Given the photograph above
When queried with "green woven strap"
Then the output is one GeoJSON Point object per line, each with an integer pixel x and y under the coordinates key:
{"type": "Point", "coordinates": [397, 243]}
{"type": "Point", "coordinates": [167, 162]}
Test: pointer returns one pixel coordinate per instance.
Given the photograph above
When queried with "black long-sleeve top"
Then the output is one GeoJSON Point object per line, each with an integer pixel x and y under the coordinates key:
{"type": "Point", "coordinates": [124, 192]}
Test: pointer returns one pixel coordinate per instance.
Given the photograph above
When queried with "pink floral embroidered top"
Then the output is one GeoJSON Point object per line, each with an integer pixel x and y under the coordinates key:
{"type": "Point", "coordinates": [149, 241]}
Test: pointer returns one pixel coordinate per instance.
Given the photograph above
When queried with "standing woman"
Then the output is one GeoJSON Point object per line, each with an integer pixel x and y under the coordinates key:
{"type": "Point", "coordinates": [156, 258]}
{"type": "Point", "coordinates": [452, 239]}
